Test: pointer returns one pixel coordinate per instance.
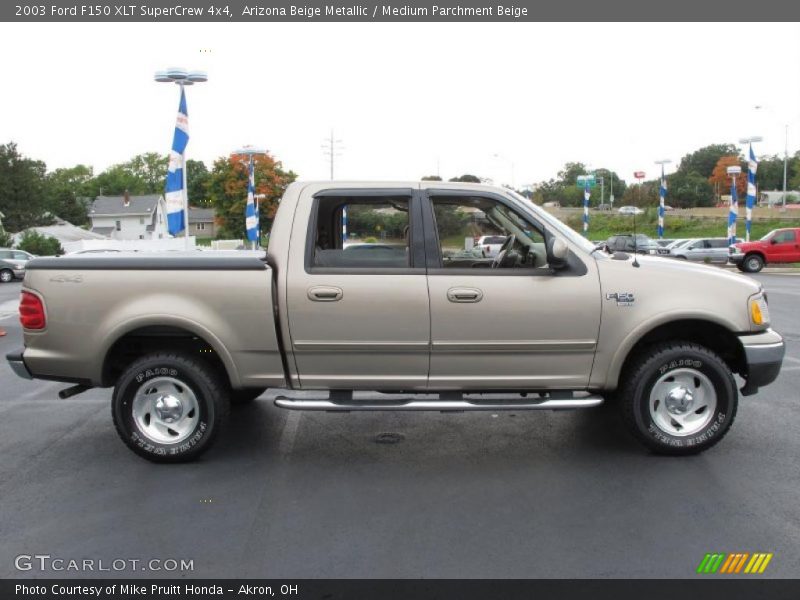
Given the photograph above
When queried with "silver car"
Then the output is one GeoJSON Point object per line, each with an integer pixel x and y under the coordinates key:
{"type": "Point", "coordinates": [13, 264]}
{"type": "Point", "coordinates": [709, 250]}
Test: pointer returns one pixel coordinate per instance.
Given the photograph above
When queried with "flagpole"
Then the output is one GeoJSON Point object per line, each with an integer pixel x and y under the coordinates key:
{"type": "Point", "coordinates": [185, 194]}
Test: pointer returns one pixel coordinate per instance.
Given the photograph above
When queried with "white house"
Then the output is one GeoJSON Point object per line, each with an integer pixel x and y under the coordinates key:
{"type": "Point", "coordinates": [130, 217]}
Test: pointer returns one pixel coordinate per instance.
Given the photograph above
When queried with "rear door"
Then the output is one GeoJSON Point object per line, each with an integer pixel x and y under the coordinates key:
{"type": "Point", "coordinates": [521, 327]}
{"type": "Point", "coordinates": [357, 295]}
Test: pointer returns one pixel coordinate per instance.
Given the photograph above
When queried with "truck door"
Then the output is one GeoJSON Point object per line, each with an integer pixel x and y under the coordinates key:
{"type": "Point", "coordinates": [518, 326]}
{"type": "Point", "coordinates": [785, 247]}
{"type": "Point", "coordinates": [357, 295]}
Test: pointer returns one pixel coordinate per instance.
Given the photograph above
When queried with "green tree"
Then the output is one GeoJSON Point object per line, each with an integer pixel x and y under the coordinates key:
{"type": "Point", "coordinates": [151, 169]}
{"type": "Point", "coordinates": [466, 178]}
{"type": "Point", "coordinates": [69, 192]}
{"type": "Point", "coordinates": [431, 178]}
{"type": "Point", "coordinates": [41, 245]}
{"type": "Point", "coordinates": [22, 189]}
{"type": "Point", "coordinates": [687, 190]}
{"type": "Point", "coordinates": [794, 172]}
{"type": "Point", "coordinates": [769, 175]}
{"type": "Point", "coordinates": [227, 191]}
{"type": "Point", "coordinates": [5, 238]}
{"type": "Point", "coordinates": [116, 179]}
{"type": "Point", "coordinates": [197, 179]}
{"type": "Point", "coordinates": [704, 160]}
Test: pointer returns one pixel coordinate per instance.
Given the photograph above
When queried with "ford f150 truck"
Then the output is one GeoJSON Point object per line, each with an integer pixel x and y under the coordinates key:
{"type": "Point", "coordinates": [373, 289]}
{"type": "Point", "coordinates": [778, 246]}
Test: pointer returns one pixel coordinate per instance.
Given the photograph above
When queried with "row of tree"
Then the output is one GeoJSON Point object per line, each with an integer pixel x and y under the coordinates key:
{"type": "Point", "coordinates": [31, 195]}
{"type": "Point", "coordinates": [701, 177]}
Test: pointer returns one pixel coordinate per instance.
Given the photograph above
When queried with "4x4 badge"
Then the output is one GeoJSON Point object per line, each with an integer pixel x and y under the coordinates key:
{"type": "Point", "coordinates": [622, 298]}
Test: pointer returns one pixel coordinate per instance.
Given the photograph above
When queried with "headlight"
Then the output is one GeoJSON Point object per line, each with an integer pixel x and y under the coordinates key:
{"type": "Point", "coordinates": [759, 311]}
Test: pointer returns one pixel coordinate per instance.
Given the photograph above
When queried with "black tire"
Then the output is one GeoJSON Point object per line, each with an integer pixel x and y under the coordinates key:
{"type": "Point", "coordinates": [245, 396]}
{"type": "Point", "coordinates": [681, 258]}
{"type": "Point", "coordinates": [201, 384]}
{"type": "Point", "coordinates": [753, 263]}
{"type": "Point", "coordinates": [6, 276]}
{"type": "Point", "coordinates": [740, 266]}
{"type": "Point", "coordinates": [657, 363]}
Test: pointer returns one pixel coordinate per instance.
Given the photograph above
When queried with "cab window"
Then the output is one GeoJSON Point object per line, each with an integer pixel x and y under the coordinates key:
{"type": "Point", "coordinates": [359, 233]}
{"type": "Point", "coordinates": [482, 233]}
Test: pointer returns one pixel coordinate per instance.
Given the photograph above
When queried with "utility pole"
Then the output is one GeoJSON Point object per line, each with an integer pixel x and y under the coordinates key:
{"type": "Point", "coordinates": [332, 148]}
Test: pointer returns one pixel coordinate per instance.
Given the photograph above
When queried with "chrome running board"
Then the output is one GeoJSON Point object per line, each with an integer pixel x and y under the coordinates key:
{"type": "Point", "coordinates": [438, 405]}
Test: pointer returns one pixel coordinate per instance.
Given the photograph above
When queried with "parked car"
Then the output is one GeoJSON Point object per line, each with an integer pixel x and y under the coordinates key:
{"type": "Point", "coordinates": [630, 210]}
{"type": "Point", "coordinates": [625, 243]}
{"type": "Point", "coordinates": [12, 264]}
{"type": "Point", "coordinates": [665, 250]}
{"type": "Point", "coordinates": [711, 250]}
{"type": "Point", "coordinates": [488, 246]}
{"type": "Point", "coordinates": [548, 316]}
{"type": "Point", "coordinates": [778, 246]}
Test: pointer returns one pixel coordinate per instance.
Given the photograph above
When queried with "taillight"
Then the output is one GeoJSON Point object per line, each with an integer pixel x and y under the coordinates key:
{"type": "Point", "coordinates": [31, 311]}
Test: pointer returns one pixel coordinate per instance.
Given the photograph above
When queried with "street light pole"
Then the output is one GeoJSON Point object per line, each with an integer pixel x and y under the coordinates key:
{"type": "Point", "coordinates": [182, 78]}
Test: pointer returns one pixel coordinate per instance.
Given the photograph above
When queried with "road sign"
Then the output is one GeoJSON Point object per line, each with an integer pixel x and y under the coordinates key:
{"type": "Point", "coordinates": [638, 174]}
{"type": "Point", "coordinates": [582, 179]}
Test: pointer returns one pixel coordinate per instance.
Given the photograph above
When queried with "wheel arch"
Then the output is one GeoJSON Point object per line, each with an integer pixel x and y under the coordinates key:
{"type": "Point", "coordinates": [704, 330]}
{"type": "Point", "coordinates": [141, 336]}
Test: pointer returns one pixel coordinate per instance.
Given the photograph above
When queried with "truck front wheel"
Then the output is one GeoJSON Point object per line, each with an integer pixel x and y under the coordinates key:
{"type": "Point", "coordinates": [678, 398]}
{"type": "Point", "coordinates": [753, 263]}
{"type": "Point", "coordinates": [169, 407]}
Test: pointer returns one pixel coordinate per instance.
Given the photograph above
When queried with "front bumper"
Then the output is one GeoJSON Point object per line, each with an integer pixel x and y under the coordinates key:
{"type": "Point", "coordinates": [19, 273]}
{"type": "Point", "coordinates": [764, 356]}
{"type": "Point", "coordinates": [18, 365]}
{"type": "Point", "coordinates": [736, 259]}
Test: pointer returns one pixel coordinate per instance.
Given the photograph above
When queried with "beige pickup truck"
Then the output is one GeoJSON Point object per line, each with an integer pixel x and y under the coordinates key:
{"type": "Point", "coordinates": [376, 289]}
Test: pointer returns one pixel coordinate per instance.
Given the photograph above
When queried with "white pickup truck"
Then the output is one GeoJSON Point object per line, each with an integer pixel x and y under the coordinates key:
{"type": "Point", "coordinates": [402, 305]}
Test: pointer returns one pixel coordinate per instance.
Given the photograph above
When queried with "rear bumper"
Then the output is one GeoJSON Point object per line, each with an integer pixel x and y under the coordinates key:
{"type": "Point", "coordinates": [764, 355]}
{"type": "Point", "coordinates": [17, 364]}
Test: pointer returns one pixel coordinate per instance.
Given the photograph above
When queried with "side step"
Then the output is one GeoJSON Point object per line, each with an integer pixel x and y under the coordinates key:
{"type": "Point", "coordinates": [443, 405]}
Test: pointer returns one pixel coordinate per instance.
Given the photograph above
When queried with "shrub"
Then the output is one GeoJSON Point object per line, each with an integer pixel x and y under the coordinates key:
{"type": "Point", "coordinates": [41, 245]}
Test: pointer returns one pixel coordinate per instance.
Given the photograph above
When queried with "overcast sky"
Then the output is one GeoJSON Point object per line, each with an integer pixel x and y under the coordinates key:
{"type": "Point", "coordinates": [402, 97]}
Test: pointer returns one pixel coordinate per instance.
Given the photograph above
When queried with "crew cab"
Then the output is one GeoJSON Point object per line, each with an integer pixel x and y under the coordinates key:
{"type": "Point", "coordinates": [778, 246]}
{"type": "Point", "coordinates": [548, 323]}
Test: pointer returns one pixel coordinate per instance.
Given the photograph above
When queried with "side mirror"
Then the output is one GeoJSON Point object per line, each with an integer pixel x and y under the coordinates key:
{"type": "Point", "coordinates": [557, 252]}
{"type": "Point", "coordinates": [773, 241]}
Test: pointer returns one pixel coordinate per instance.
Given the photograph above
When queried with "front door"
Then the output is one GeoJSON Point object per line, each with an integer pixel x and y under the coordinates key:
{"type": "Point", "coordinates": [785, 247]}
{"type": "Point", "coordinates": [509, 322]}
{"type": "Point", "coordinates": [357, 295]}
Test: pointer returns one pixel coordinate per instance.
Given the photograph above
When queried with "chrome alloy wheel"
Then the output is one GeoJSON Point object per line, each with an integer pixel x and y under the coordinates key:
{"type": "Point", "coordinates": [682, 402]}
{"type": "Point", "coordinates": [165, 410]}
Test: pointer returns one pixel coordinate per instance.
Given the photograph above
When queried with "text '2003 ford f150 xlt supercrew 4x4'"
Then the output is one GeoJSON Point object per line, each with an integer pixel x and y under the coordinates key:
{"type": "Point", "coordinates": [370, 287]}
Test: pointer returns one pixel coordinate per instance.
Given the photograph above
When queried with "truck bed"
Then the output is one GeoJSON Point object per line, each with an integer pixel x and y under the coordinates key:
{"type": "Point", "coordinates": [222, 302]}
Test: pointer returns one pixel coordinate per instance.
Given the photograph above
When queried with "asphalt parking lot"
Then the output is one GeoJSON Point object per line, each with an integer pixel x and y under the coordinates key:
{"type": "Point", "coordinates": [291, 495]}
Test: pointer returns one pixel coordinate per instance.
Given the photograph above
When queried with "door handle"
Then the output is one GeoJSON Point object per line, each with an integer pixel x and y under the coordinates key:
{"type": "Point", "coordinates": [464, 295]}
{"type": "Point", "coordinates": [325, 294]}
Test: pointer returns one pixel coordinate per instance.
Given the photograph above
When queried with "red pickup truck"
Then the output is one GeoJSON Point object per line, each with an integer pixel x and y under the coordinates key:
{"type": "Point", "coordinates": [778, 246]}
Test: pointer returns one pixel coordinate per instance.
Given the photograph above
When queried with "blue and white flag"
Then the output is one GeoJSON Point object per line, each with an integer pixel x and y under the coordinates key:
{"type": "Point", "coordinates": [250, 213]}
{"type": "Point", "coordinates": [734, 212]}
{"type": "Point", "coordinates": [662, 194]}
{"type": "Point", "coordinates": [174, 194]}
{"type": "Point", "coordinates": [586, 195]}
{"type": "Point", "coordinates": [752, 166]}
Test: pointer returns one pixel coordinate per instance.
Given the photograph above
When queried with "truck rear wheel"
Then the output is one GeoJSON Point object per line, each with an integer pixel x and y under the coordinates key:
{"type": "Point", "coordinates": [168, 407]}
{"type": "Point", "coordinates": [753, 263]}
{"type": "Point", "coordinates": [678, 398]}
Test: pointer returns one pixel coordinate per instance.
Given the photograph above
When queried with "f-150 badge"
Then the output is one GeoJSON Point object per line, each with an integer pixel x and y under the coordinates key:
{"type": "Point", "coordinates": [622, 298]}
